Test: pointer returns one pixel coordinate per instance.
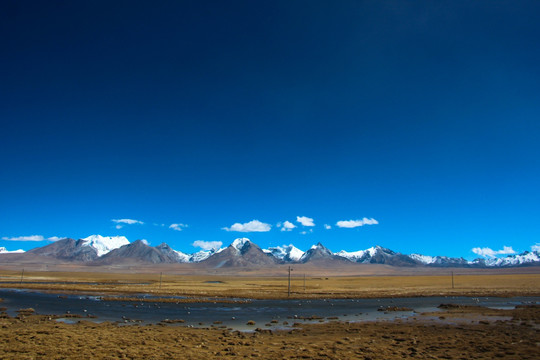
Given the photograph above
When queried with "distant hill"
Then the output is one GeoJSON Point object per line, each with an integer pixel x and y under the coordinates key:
{"type": "Point", "coordinates": [241, 253]}
{"type": "Point", "coordinates": [137, 251]}
{"type": "Point", "coordinates": [101, 250]}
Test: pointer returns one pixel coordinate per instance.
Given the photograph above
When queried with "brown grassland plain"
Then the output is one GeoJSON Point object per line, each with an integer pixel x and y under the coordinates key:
{"type": "Point", "coordinates": [460, 333]}
{"type": "Point", "coordinates": [274, 287]}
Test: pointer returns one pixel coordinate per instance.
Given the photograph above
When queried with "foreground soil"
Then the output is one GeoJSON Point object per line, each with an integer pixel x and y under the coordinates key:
{"type": "Point", "coordinates": [469, 333]}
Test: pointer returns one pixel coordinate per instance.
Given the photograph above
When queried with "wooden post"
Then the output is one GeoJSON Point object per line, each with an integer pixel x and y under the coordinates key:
{"type": "Point", "coordinates": [22, 275]}
{"type": "Point", "coordinates": [160, 278]}
{"type": "Point", "coordinates": [289, 290]}
{"type": "Point", "coordinates": [452, 279]}
{"type": "Point", "coordinates": [304, 282]}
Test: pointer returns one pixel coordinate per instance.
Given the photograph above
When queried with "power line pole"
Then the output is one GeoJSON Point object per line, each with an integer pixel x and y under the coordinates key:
{"type": "Point", "coordinates": [22, 275]}
{"type": "Point", "coordinates": [289, 291]}
{"type": "Point", "coordinates": [160, 277]}
{"type": "Point", "coordinates": [452, 279]}
{"type": "Point", "coordinates": [304, 282]}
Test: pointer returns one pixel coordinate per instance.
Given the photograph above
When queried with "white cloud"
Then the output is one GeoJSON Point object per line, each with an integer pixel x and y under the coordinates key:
{"type": "Point", "coordinates": [32, 238]}
{"type": "Point", "coordinates": [252, 226]}
{"type": "Point", "coordinates": [177, 227]}
{"type": "Point", "coordinates": [118, 226]}
{"type": "Point", "coordinates": [286, 226]}
{"type": "Point", "coordinates": [305, 221]}
{"type": "Point", "coordinates": [24, 238]}
{"type": "Point", "coordinates": [490, 253]}
{"type": "Point", "coordinates": [327, 227]}
{"type": "Point", "coordinates": [207, 245]}
{"type": "Point", "coordinates": [356, 223]}
{"type": "Point", "coordinates": [127, 221]}
{"type": "Point", "coordinates": [55, 238]}
{"type": "Point", "coordinates": [536, 247]}
{"type": "Point", "coordinates": [305, 232]}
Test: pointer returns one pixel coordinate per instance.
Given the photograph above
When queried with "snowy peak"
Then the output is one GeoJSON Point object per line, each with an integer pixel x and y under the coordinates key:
{"type": "Point", "coordinates": [378, 255]}
{"type": "Point", "coordinates": [353, 255]}
{"type": "Point", "coordinates": [173, 254]}
{"type": "Point", "coordinates": [201, 255]}
{"type": "Point", "coordinates": [424, 259]}
{"type": "Point", "coordinates": [104, 244]}
{"type": "Point", "coordinates": [318, 251]}
{"type": "Point", "coordinates": [240, 243]}
{"type": "Point", "coordinates": [526, 257]}
{"type": "Point", "coordinates": [241, 253]}
{"type": "Point", "coordinates": [288, 253]}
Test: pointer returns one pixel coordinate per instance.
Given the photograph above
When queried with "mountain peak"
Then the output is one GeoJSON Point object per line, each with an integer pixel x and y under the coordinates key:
{"type": "Point", "coordinates": [104, 244]}
{"type": "Point", "coordinates": [318, 246]}
{"type": "Point", "coordinates": [239, 243]}
{"type": "Point", "coordinates": [318, 251]}
{"type": "Point", "coordinates": [285, 252]}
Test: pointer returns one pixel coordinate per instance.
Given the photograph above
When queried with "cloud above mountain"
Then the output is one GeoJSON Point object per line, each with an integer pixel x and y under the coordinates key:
{"type": "Point", "coordinates": [31, 238]}
{"type": "Point", "coordinates": [207, 245]}
{"type": "Point", "coordinates": [349, 224]}
{"type": "Point", "coordinates": [305, 221]}
{"type": "Point", "coordinates": [177, 227]}
{"type": "Point", "coordinates": [121, 222]}
{"type": "Point", "coordinates": [252, 226]}
{"type": "Point", "coordinates": [127, 221]}
{"type": "Point", "coordinates": [286, 226]}
{"type": "Point", "coordinates": [490, 253]}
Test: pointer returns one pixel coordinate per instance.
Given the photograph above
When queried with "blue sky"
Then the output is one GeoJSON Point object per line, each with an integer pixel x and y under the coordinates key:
{"type": "Point", "coordinates": [423, 116]}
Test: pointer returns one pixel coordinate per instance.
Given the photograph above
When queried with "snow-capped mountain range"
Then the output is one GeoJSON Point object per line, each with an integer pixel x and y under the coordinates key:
{"type": "Point", "coordinates": [243, 252]}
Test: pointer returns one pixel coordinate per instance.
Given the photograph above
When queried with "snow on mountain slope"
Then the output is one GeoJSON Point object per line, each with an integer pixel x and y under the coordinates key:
{"type": "Point", "coordinates": [352, 255]}
{"type": "Point", "coordinates": [104, 244]}
{"type": "Point", "coordinates": [239, 243]}
{"type": "Point", "coordinates": [285, 252]}
{"type": "Point", "coordinates": [424, 259]}
{"type": "Point", "coordinates": [173, 254]}
{"type": "Point", "coordinates": [357, 255]}
{"type": "Point", "coordinates": [183, 257]}
{"type": "Point", "coordinates": [514, 260]}
{"type": "Point", "coordinates": [203, 255]}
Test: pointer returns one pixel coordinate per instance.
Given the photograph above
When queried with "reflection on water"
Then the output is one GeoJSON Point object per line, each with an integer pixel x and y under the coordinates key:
{"type": "Point", "coordinates": [270, 314]}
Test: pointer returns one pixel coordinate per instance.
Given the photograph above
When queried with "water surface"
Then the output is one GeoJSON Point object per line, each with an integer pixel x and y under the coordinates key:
{"type": "Point", "coordinates": [236, 315]}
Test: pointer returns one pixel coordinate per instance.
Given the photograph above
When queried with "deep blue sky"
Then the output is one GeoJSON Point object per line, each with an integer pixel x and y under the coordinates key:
{"type": "Point", "coordinates": [423, 115]}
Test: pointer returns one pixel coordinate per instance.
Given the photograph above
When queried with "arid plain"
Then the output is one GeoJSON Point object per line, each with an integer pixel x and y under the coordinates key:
{"type": "Point", "coordinates": [458, 333]}
{"type": "Point", "coordinates": [272, 283]}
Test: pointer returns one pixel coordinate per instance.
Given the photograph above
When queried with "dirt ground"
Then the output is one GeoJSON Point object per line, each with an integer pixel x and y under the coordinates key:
{"type": "Point", "coordinates": [467, 333]}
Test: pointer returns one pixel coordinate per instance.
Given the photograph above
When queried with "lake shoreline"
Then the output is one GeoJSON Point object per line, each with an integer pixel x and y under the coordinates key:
{"type": "Point", "coordinates": [40, 336]}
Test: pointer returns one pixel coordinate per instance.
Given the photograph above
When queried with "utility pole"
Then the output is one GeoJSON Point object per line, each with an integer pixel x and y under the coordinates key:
{"type": "Point", "coordinates": [22, 275]}
{"type": "Point", "coordinates": [304, 282]}
{"type": "Point", "coordinates": [289, 291]}
{"type": "Point", "coordinates": [452, 279]}
{"type": "Point", "coordinates": [160, 277]}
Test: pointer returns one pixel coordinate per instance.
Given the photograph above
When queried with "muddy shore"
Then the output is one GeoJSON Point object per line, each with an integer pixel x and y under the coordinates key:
{"type": "Point", "coordinates": [466, 332]}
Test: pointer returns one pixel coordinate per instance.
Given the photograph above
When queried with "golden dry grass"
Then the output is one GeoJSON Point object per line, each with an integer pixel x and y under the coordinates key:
{"type": "Point", "coordinates": [275, 287]}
